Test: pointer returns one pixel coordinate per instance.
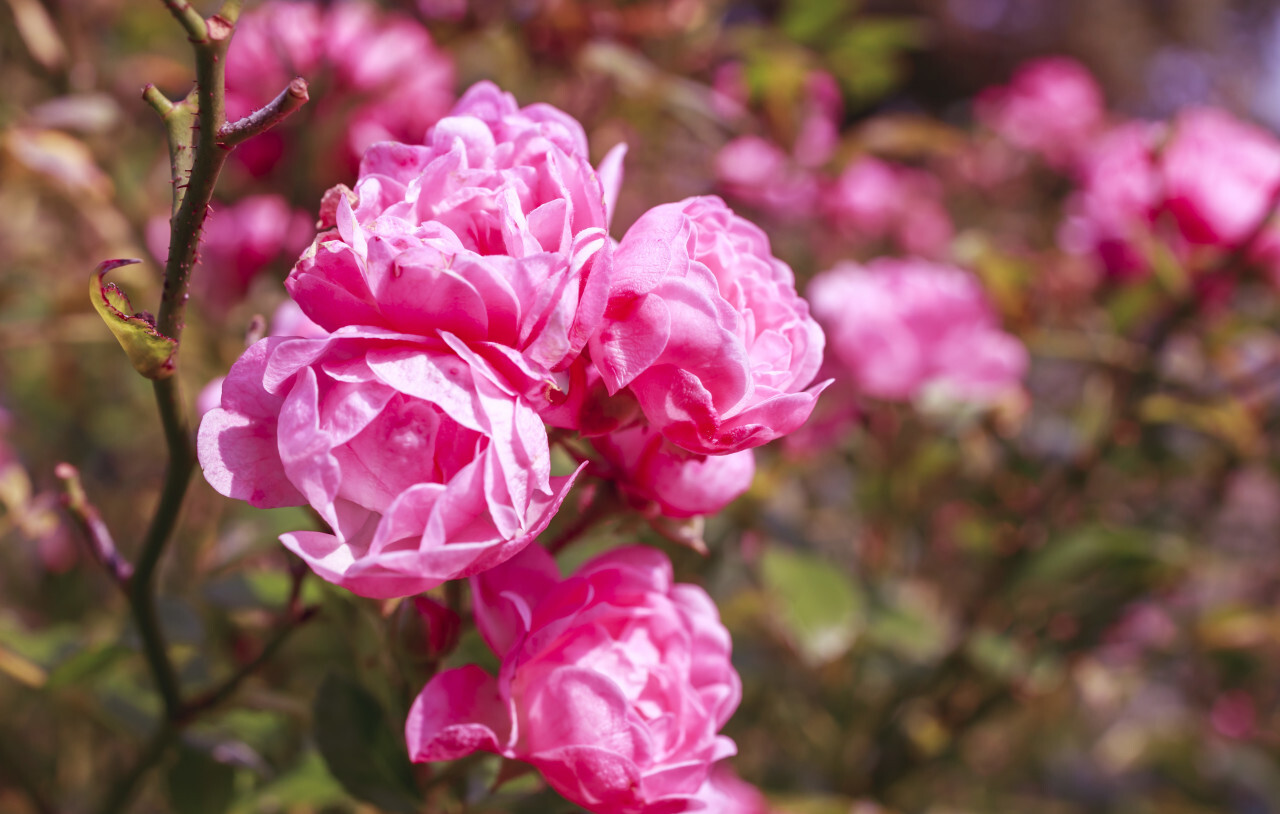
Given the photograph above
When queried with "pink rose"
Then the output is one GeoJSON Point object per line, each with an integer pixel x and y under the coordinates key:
{"type": "Point", "coordinates": [531, 313]}
{"type": "Point", "coordinates": [1220, 176]}
{"type": "Point", "coordinates": [1052, 107]}
{"type": "Point", "coordinates": [421, 460]}
{"type": "Point", "coordinates": [239, 242]}
{"type": "Point", "coordinates": [613, 683]}
{"type": "Point", "coordinates": [706, 329]}
{"type": "Point", "coordinates": [378, 75]}
{"type": "Point", "coordinates": [676, 483]}
{"type": "Point", "coordinates": [901, 326]}
{"type": "Point", "coordinates": [504, 179]}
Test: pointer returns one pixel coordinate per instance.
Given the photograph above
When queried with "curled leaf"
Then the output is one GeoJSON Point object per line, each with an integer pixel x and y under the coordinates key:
{"type": "Point", "coordinates": [150, 351]}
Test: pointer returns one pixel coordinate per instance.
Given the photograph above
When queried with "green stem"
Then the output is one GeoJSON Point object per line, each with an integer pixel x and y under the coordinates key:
{"type": "Point", "coordinates": [142, 598]}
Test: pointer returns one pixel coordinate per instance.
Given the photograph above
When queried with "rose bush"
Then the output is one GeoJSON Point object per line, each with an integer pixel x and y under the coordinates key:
{"type": "Point", "coordinates": [614, 682]}
{"type": "Point", "coordinates": [421, 460]}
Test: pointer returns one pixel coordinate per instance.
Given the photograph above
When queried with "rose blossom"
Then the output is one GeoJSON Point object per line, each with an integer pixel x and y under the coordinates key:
{"type": "Point", "coordinates": [901, 326]}
{"type": "Point", "coordinates": [419, 278]}
{"type": "Point", "coordinates": [421, 460]}
{"type": "Point", "coordinates": [504, 179]}
{"type": "Point", "coordinates": [377, 73]}
{"type": "Point", "coordinates": [676, 483]}
{"type": "Point", "coordinates": [1052, 107]}
{"type": "Point", "coordinates": [613, 683]}
{"type": "Point", "coordinates": [704, 326]}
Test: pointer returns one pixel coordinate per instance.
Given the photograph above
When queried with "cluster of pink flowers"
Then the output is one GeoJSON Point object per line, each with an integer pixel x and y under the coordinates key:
{"type": "Point", "coordinates": [464, 296]}
{"type": "Point", "coordinates": [1203, 181]}
{"type": "Point", "coordinates": [870, 200]}
{"type": "Point", "coordinates": [902, 329]}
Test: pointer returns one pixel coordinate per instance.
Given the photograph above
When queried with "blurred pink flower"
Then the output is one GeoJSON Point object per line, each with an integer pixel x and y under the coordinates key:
{"type": "Point", "coordinates": [418, 456]}
{"type": "Point", "coordinates": [904, 327]}
{"type": "Point", "coordinates": [706, 329]}
{"type": "Point", "coordinates": [1052, 107]}
{"type": "Point", "coordinates": [1120, 191]}
{"type": "Point", "coordinates": [375, 74]}
{"type": "Point", "coordinates": [613, 683]}
{"type": "Point", "coordinates": [819, 133]}
{"type": "Point", "coordinates": [876, 200]}
{"type": "Point", "coordinates": [674, 482]}
{"type": "Point", "coordinates": [760, 174]}
{"type": "Point", "coordinates": [239, 242]}
{"type": "Point", "coordinates": [1220, 176]}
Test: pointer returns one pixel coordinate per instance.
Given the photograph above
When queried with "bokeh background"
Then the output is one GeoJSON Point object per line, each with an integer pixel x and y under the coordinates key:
{"type": "Point", "coordinates": [1064, 601]}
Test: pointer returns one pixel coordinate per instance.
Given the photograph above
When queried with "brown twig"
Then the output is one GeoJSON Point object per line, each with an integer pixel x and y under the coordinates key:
{"type": "Point", "coordinates": [260, 121]}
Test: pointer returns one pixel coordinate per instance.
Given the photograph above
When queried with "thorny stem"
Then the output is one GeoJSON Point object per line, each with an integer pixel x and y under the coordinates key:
{"type": "Point", "coordinates": [198, 148]}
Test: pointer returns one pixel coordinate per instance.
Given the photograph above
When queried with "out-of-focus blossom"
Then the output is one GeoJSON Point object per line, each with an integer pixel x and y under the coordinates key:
{"type": "Point", "coordinates": [1207, 179]}
{"type": "Point", "coordinates": [1052, 107]}
{"type": "Point", "coordinates": [759, 173]}
{"type": "Point", "coordinates": [706, 329]}
{"type": "Point", "coordinates": [378, 75]}
{"type": "Point", "coordinates": [676, 483]}
{"type": "Point", "coordinates": [1220, 176]}
{"type": "Point", "coordinates": [908, 328]}
{"type": "Point", "coordinates": [421, 460]}
{"type": "Point", "coordinates": [730, 91]}
{"type": "Point", "coordinates": [240, 240]}
{"type": "Point", "coordinates": [820, 121]}
{"type": "Point", "coordinates": [875, 200]}
{"type": "Point", "coordinates": [614, 682]}
{"type": "Point", "coordinates": [1120, 190]}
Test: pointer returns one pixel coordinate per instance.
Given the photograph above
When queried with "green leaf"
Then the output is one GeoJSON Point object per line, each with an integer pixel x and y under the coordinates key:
{"type": "Point", "coordinates": [1089, 549]}
{"type": "Point", "coordinates": [150, 351]}
{"type": "Point", "coordinates": [198, 784]}
{"type": "Point", "coordinates": [819, 608]}
{"type": "Point", "coordinates": [360, 748]}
